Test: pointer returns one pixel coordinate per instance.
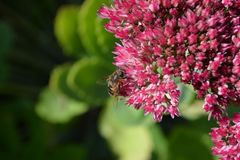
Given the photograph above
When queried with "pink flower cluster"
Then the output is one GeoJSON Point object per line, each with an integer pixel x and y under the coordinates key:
{"type": "Point", "coordinates": [226, 138]}
{"type": "Point", "coordinates": [197, 41]}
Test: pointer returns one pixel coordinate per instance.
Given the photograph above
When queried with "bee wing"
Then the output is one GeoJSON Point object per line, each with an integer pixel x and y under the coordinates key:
{"type": "Point", "coordinates": [102, 81]}
{"type": "Point", "coordinates": [118, 100]}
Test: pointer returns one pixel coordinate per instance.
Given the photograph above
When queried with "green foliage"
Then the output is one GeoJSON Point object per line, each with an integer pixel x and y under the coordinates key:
{"type": "Point", "coordinates": [58, 108]}
{"type": "Point", "coordinates": [105, 40]}
{"type": "Point", "coordinates": [160, 150]}
{"type": "Point", "coordinates": [187, 144]}
{"type": "Point", "coordinates": [233, 108]}
{"type": "Point", "coordinates": [84, 28]}
{"type": "Point", "coordinates": [126, 133]}
{"type": "Point", "coordinates": [58, 81]}
{"type": "Point", "coordinates": [66, 25]}
{"type": "Point", "coordinates": [96, 41]}
{"type": "Point", "coordinates": [83, 78]}
{"type": "Point", "coordinates": [190, 107]}
{"type": "Point", "coordinates": [117, 112]}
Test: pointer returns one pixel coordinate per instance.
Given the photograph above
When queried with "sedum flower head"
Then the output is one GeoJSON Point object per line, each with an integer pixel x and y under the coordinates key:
{"type": "Point", "coordinates": [195, 40]}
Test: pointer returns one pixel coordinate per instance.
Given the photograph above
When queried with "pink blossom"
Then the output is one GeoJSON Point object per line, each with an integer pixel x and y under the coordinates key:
{"type": "Point", "coordinates": [226, 138]}
{"type": "Point", "coordinates": [197, 41]}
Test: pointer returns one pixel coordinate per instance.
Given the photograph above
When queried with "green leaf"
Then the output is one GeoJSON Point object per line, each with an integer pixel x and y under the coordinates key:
{"type": "Point", "coordinates": [57, 108]}
{"type": "Point", "coordinates": [66, 26]}
{"type": "Point", "coordinates": [233, 108]}
{"type": "Point", "coordinates": [193, 111]}
{"type": "Point", "coordinates": [126, 115]}
{"type": "Point", "coordinates": [190, 107]}
{"type": "Point", "coordinates": [129, 139]}
{"type": "Point", "coordinates": [84, 77]}
{"type": "Point", "coordinates": [58, 81]}
{"type": "Point", "coordinates": [105, 40]}
{"type": "Point", "coordinates": [160, 142]}
{"type": "Point", "coordinates": [188, 144]}
{"type": "Point", "coordinates": [96, 41]}
{"type": "Point", "coordinates": [188, 95]}
{"type": "Point", "coordinates": [132, 143]}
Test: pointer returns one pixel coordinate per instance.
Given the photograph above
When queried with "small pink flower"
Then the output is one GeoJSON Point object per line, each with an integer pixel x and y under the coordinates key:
{"type": "Point", "coordinates": [154, 6]}
{"type": "Point", "coordinates": [191, 17]}
{"type": "Point", "coordinates": [212, 33]}
{"type": "Point", "coordinates": [227, 2]}
{"type": "Point", "coordinates": [175, 3]}
{"type": "Point", "coordinates": [192, 39]}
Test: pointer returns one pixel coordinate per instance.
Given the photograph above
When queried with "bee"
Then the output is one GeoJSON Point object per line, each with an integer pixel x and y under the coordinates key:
{"type": "Point", "coordinates": [114, 82]}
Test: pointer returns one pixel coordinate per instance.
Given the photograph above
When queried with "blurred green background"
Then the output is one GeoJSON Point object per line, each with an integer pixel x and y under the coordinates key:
{"type": "Point", "coordinates": [55, 56]}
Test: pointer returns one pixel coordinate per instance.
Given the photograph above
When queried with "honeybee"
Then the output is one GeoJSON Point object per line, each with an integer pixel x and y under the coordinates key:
{"type": "Point", "coordinates": [114, 82]}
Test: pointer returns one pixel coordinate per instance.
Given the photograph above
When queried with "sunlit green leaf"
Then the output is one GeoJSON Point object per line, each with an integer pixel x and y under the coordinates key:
{"type": "Point", "coordinates": [129, 139]}
{"type": "Point", "coordinates": [190, 106]}
{"type": "Point", "coordinates": [194, 110]}
{"type": "Point", "coordinates": [188, 95]}
{"type": "Point", "coordinates": [104, 39]}
{"type": "Point", "coordinates": [96, 41]}
{"type": "Point", "coordinates": [58, 81]}
{"type": "Point", "coordinates": [57, 108]}
{"type": "Point", "coordinates": [160, 143]}
{"type": "Point", "coordinates": [123, 114]}
{"type": "Point", "coordinates": [85, 77]}
{"type": "Point", "coordinates": [66, 29]}
{"type": "Point", "coordinates": [132, 143]}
